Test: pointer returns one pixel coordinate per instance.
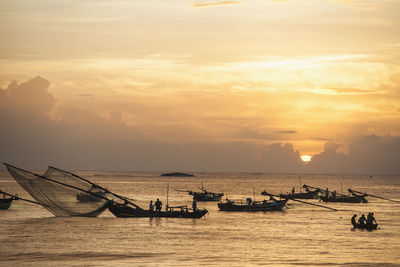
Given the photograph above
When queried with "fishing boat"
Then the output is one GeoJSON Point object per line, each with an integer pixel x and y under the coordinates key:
{"type": "Point", "coordinates": [204, 195]}
{"type": "Point", "coordinates": [345, 199]}
{"type": "Point", "coordinates": [5, 203]}
{"type": "Point", "coordinates": [365, 226]}
{"type": "Point", "coordinates": [329, 196]}
{"type": "Point", "coordinates": [273, 205]}
{"type": "Point", "coordinates": [309, 194]}
{"type": "Point", "coordinates": [127, 211]}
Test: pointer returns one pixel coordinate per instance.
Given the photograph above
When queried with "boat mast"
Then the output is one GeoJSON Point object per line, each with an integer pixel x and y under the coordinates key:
{"type": "Point", "coordinates": [167, 194]}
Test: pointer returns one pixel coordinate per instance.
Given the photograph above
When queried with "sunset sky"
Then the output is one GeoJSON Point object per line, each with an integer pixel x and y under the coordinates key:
{"type": "Point", "coordinates": [201, 85]}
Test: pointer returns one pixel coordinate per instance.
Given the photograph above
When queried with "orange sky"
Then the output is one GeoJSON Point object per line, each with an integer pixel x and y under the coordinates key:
{"type": "Point", "coordinates": [222, 72]}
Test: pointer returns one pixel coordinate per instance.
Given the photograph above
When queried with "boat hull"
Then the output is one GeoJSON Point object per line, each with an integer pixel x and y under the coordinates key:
{"type": "Point", "coordinates": [369, 227]}
{"type": "Point", "coordinates": [123, 211]}
{"type": "Point", "coordinates": [230, 206]}
{"type": "Point", "coordinates": [5, 203]}
{"type": "Point", "coordinates": [347, 199]}
{"type": "Point", "coordinates": [306, 195]}
{"type": "Point", "coordinates": [207, 196]}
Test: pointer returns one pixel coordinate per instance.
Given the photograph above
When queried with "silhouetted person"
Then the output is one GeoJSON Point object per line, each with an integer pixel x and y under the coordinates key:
{"type": "Point", "coordinates": [327, 192]}
{"type": "Point", "coordinates": [194, 204]}
{"type": "Point", "coordinates": [362, 220]}
{"type": "Point", "coordinates": [292, 190]}
{"type": "Point", "coordinates": [249, 200]}
{"type": "Point", "coordinates": [151, 207]}
{"type": "Point", "coordinates": [353, 219]}
{"type": "Point", "coordinates": [370, 219]}
{"type": "Point", "coordinates": [334, 194]}
{"type": "Point", "coordinates": [158, 205]}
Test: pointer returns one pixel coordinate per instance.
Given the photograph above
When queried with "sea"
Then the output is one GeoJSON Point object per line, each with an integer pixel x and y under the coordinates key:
{"type": "Point", "coordinates": [300, 235]}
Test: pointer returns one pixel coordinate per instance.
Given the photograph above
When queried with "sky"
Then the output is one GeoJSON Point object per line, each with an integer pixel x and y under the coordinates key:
{"type": "Point", "coordinates": [266, 86]}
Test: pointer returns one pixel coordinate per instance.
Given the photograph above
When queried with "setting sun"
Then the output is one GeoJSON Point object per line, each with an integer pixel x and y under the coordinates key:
{"type": "Point", "coordinates": [306, 158]}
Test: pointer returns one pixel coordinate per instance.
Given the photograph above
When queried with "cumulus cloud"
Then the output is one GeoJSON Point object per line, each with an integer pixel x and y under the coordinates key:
{"type": "Point", "coordinates": [370, 154]}
{"type": "Point", "coordinates": [82, 139]}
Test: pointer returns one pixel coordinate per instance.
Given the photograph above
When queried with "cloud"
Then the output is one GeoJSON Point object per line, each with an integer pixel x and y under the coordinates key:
{"type": "Point", "coordinates": [286, 132]}
{"type": "Point", "coordinates": [215, 3]}
{"type": "Point", "coordinates": [83, 139]}
{"type": "Point", "coordinates": [89, 95]}
{"type": "Point", "coordinates": [369, 154]}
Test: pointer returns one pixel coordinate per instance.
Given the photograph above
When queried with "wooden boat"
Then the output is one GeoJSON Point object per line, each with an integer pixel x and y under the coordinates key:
{"type": "Point", "coordinates": [5, 203]}
{"type": "Point", "coordinates": [310, 194]}
{"type": "Point", "coordinates": [369, 227]}
{"type": "Point", "coordinates": [127, 211]}
{"type": "Point", "coordinates": [204, 195]}
{"type": "Point", "coordinates": [345, 199]}
{"type": "Point", "coordinates": [253, 206]}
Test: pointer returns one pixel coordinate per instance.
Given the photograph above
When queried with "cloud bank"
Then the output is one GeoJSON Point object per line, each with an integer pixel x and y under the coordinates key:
{"type": "Point", "coordinates": [82, 140]}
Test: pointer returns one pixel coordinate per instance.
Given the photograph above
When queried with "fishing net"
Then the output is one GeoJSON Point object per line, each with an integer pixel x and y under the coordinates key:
{"type": "Point", "coordinates": [61, 200]}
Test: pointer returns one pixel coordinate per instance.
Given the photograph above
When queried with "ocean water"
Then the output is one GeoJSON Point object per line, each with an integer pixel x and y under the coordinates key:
{"type": "Point", "coordinates": [301, 235]}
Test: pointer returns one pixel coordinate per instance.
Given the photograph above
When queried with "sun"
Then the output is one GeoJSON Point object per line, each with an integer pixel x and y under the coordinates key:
{"type": "Point", "coordinates": [305, 158]}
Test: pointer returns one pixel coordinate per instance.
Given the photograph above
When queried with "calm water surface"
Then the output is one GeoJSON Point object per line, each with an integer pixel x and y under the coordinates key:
{"type": "Point", "coordinates": [301, 235]}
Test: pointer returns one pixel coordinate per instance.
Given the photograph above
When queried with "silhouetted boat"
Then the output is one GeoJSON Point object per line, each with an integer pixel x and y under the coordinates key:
{"type": "Point", "coordinates": [329, 196]}
{"type": "Point", "coordinates": [204, 195]}
{"type": "Point", "coordinates": [253, 206]}
{"type": "Point", "coordinates": [5, 203]}
{"type": "Point", "coordinates": [345, 199]}
{"type": "Point", "coordinates": [365, 226]}
{"type": "Point", "coordinates": [126, 211]}
{"type": "Point", "coordinates": [309, 194]}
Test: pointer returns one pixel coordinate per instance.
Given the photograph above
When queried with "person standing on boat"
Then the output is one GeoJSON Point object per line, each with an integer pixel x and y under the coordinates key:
{"type": "Point", "coordinates": [151, 207]}
{"type": "Point", "coordinates": [362, 220]}
{"type": "Point", "coordinates": [327, 192]}
{"type": "Point", "coordinates": [194, 204]}
{"type": "Point", "coordinates": [158, 205]}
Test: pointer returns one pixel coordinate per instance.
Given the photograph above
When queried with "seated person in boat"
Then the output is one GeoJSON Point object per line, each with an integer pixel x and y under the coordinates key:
{"type": "Point", "coordinates": [334, 194]}
{"type": "Point", "coordinates": [362, 220]}
{"type": "Point", "coordinates": [151, 206]}
{"type": "Point", "coordinates": [353, 219]}
{"type": "Point", "coordinates": [370, 219]}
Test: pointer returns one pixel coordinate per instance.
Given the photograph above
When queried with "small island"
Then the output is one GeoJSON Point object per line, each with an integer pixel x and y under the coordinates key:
{"type": "Point", "coordinates": [178, 174]}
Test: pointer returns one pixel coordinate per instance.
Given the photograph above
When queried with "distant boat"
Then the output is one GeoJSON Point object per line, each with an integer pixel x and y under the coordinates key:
{"type": "Point", "coordinates": [309, 194]}
{"type": "Point", "coordinates": [276, 205]}
{"type": "Point", "coordinates": [126, 211]}
{"type": "Point", "coordinates": [336, 197]}
{"type": "Point", "coordinates": [345, 199]}
{"type": "Point", "coordinates": [204, 195]}
{"type": "Point", "coordinates": [5, 203]}
{"type": "Point", "coordinates": [302, 195]}
{"type": "Point", "coordinates": [178, 174]}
